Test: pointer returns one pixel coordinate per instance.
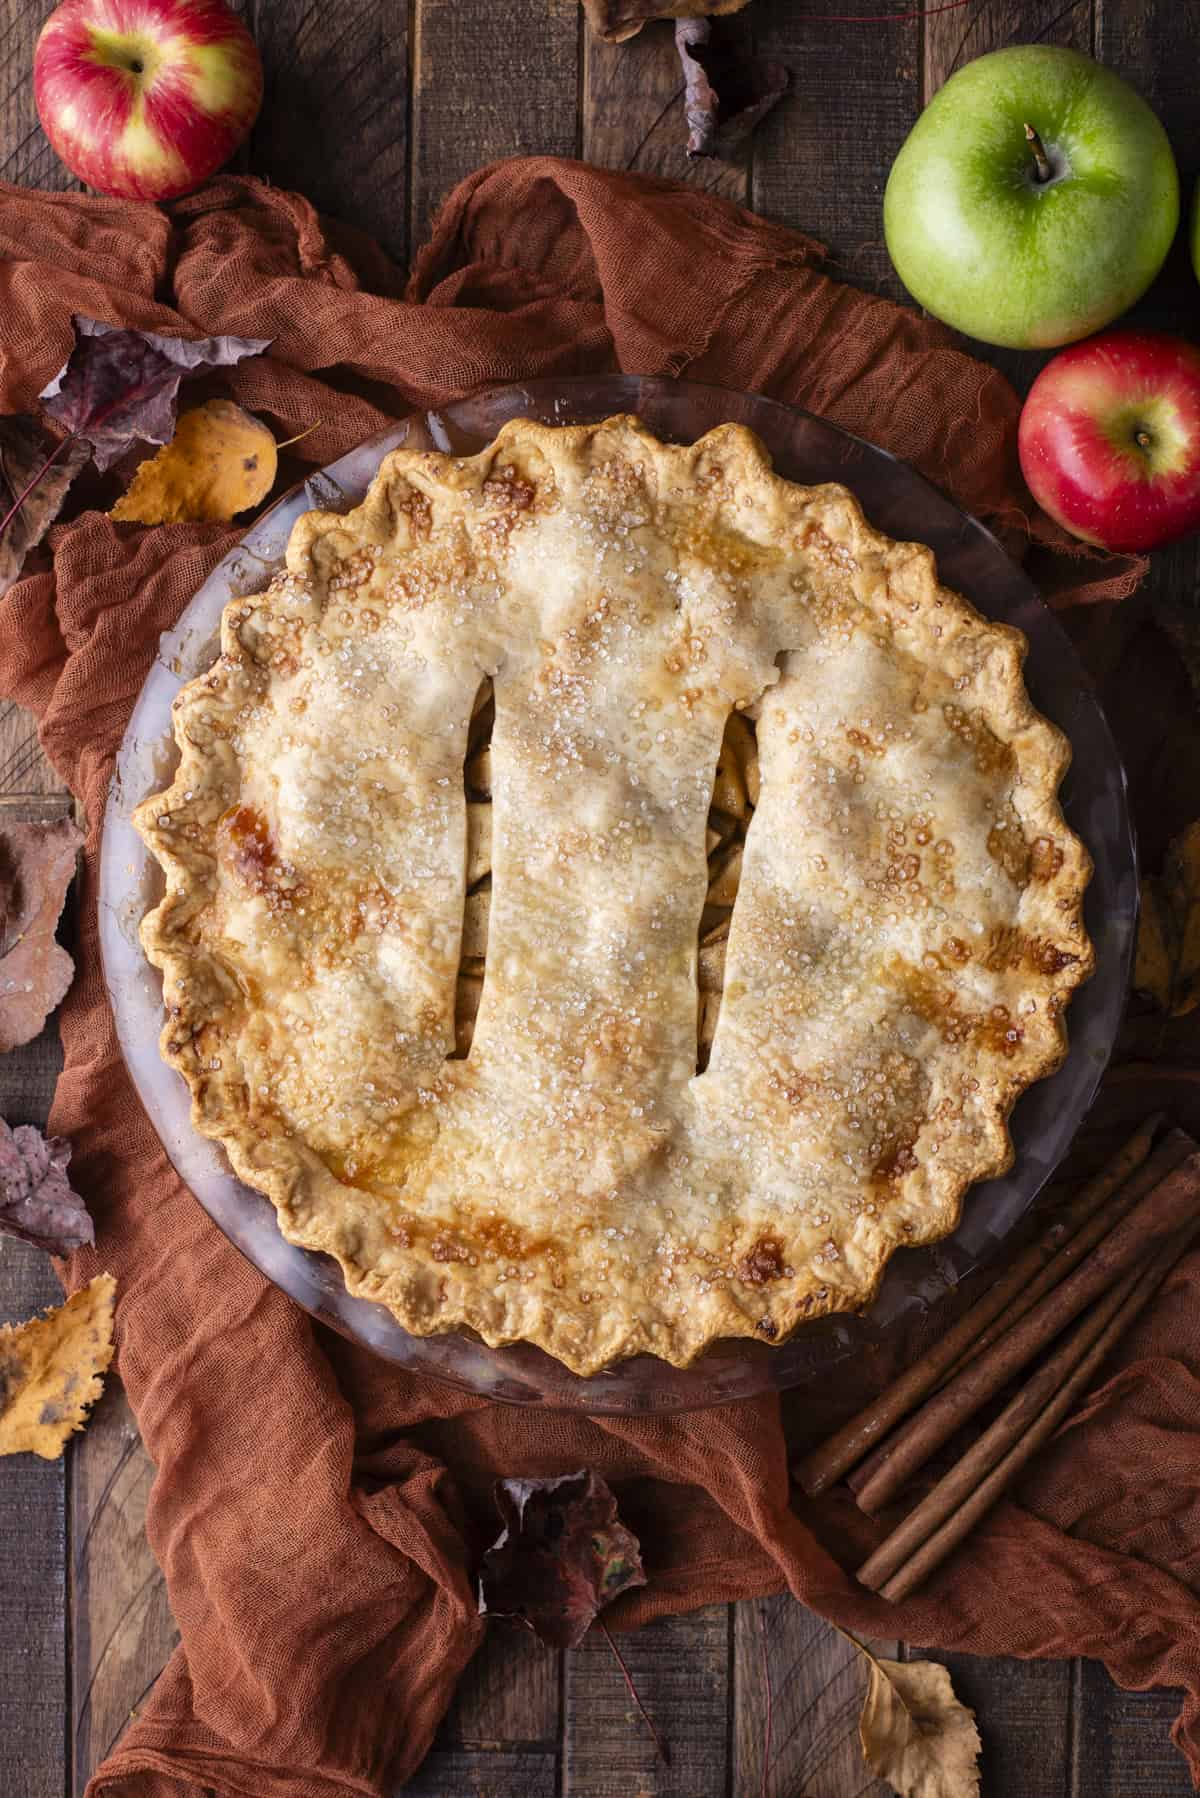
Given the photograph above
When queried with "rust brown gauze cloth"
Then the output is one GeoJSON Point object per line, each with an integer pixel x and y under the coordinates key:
{"type": "Point", "coordinates": [318, 1514]}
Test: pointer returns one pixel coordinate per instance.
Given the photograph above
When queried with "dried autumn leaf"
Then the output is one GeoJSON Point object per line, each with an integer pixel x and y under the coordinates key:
{"type": "Point", "coordinates": [916, 1734]}
{"type": "Point", "coordinates": [35, 472]}
{"type": "Point", "coordinates": [616, 20]}
{"type": "Point", "coordinates": [1167, 966]}
{"type": "Point", "coordinates": [37, 1203]}
{"type": "Point", "coordinates": [50, 1370]}
{"type": "Point", "coordinates": [560, 1558]}
{"type": "Point", "coordinates": [726, 92]}
{"type": "Point", "coordinates": [37, 862]}
{"type": "Point", "coordinates": [118, 385]}
{"type": "Point", "coordinates": [220, 461]}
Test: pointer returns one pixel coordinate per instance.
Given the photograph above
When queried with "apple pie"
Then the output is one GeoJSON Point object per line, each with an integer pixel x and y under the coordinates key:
{"type": "Point", "coordinates": [614, 896]}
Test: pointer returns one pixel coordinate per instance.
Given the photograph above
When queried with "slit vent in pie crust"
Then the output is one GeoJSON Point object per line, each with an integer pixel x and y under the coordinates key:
{"type": "Point", "coordinates": [462, 890]}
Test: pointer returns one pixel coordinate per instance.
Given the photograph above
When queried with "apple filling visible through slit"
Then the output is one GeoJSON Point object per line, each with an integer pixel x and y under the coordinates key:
{"type": "Point", "coordinates": [735, 794]}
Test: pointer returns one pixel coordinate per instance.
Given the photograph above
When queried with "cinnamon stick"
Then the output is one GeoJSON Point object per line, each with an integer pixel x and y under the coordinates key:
{"type": "Point", "coordinates": [843, 1450]}
{"type": "Point", "coordinates": [963, 1516]}
{"type": "Point", "coordinates": [1169, 1207]}
{"type": "Point", "coordinates": [1174, 1149]}
{"type": "Point", "coordinates": [1013, 1423]}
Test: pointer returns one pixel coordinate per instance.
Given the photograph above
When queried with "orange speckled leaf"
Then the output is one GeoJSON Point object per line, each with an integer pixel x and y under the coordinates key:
{"type": "Point", "coordinates": [50, 1370]}
{"type": "Point", "coordinates": [220, 461]}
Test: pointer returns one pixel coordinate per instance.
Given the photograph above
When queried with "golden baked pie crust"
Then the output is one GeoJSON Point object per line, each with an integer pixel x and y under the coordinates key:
{"type": "Point", "coordinates": [907, 929]}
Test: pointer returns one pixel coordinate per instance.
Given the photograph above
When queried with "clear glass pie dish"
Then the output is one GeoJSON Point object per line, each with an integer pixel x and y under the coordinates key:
{"type": "Point", "coordinates": [898, 501]}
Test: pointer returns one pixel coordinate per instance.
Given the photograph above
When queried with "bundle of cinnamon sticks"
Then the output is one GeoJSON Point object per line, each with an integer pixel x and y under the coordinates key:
{"type": "Point", "coordinates": [1073, 1292]}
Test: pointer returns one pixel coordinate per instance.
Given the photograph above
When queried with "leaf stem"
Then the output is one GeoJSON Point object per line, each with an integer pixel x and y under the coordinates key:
{"type": "Point", "coordinates": [300, 435]}
{"type": "Point", "coordinates": [664, 1753]}
{"type": "Point", "coordinates": [874, 1660]}
{"type": "Point", "coordinates": [853, 1641]}
{"type": "Point", "coordinates": [29, 486]}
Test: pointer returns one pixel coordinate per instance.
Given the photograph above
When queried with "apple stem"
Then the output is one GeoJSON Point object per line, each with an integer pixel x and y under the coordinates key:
{"type": "Point", "coordinates": [1041, 162]}
{"type": "Point", "coordinates": [1142, 439]}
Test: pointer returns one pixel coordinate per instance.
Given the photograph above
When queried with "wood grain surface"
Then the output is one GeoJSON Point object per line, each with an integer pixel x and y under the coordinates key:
{"type": "Point", "coordinates": [375, 111]}
{"type": "Point", "coordinates": [34, 1674]}
{"type": "Point", "coordinates": [334, 120]}
{"type": "Point", "coordinates": [632, 114]}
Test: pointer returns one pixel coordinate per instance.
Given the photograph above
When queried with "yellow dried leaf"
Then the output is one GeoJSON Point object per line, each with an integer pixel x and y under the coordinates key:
{"type": "Point", "coordinates": [50, 1370]}
{"type": "Point", "coordinates": [916, 1734]}
{"type": "Point", "coordinates": [219, 462]}
{"type": "Point", "coordinates": [1168, 947]}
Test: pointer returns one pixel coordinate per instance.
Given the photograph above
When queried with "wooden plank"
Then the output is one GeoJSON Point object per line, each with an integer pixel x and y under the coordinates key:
{"type": "Point", "coordinates": [632, 103]}
{"type": "Point", "coordinates": [1149, 42]}
{"type": "Point", "coordinates": [817, 1683]}
{"type": "Point", "coordinates": [1023, 1709]}
{"type": "Point", "coordinates": [25, 155]}
{"type": "Point", "coordinates": [23, 767]}
{"type": "Point", "coordinates": [121, 1628]}
{"type": "Point", "coordinates": [33, 1663]}
{"type": "Point", "coordinates": [822, 157]}
{"type": "Point", "coordinates": [488, 81]}
{"type": "Point", "coordinates": [1155, 44]}
{"type": "Point", "coordinates": [334, 116]}
{"type": "Point", "coordinates": [954, 39]}
{"type": "Point", "coordinates": [1121, 1741]}
{"type": "Point", "coordinates": [501, 1732]}
{"type": "Point", "coordinates": [681, 1668]}
{"type": "Point", "coordinates": [33, 1671]}
{"type": "Point", "coordinates": [451, 1773]}
{"type": "Point", "coordinates": [509, 1695]}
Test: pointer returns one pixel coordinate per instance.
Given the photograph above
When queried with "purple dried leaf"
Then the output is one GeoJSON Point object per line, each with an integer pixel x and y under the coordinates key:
{"type": "Point", "coordinates": [560, 1558]}
{"type": "Point", "coordinates": [118, 384]}
{"type": "Point", "coordinates": [36, 1202]}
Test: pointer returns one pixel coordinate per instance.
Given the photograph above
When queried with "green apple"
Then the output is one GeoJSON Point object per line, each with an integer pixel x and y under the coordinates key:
{"type": "Point", "coordinates": [1034, 199]}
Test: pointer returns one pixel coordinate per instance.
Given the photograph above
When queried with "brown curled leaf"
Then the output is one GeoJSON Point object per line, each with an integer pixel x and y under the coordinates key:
{"type": "Point", "coordinates": [1167, 967]}
{"type": "Point", "coordinates": [37, 1203]}
{"type": "Point", "coordinates": [616, 20]}
{"type": "Point", "coordinates": [36, 470]}
{"type": "Point", "coordinates": [915, 1734]}
{"type": "Point", "coordinates": [50, 1370]}
{"type": "Point", "coordinates": [561, 1557]}
{"type": "Point", "coordinates": [726, 92]}
{"type": "Point", "coordinates": [37, 862]}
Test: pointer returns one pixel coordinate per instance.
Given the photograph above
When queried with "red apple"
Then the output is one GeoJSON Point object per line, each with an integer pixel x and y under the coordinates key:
{"type": "Point", "coordinates": [146, 98]}
{"type": "Point", "coordinates": [1110, 439]}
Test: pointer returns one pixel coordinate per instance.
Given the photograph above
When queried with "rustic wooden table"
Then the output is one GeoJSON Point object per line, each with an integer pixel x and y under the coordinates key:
{"type": "Point", "coordinates": [374, 110]}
